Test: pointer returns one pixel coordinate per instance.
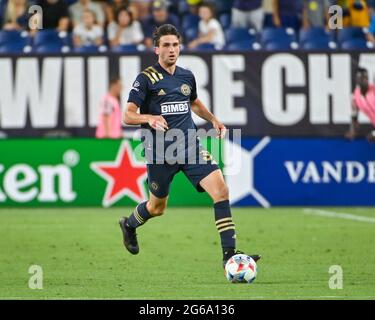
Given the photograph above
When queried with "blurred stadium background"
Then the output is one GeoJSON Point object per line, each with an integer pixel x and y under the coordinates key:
{"type": "Point", "coordinates": [286, 83]}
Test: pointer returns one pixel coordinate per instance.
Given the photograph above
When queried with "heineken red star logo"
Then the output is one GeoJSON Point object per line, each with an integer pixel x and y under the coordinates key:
{"type": "Point", "coordinates": [125, 176]}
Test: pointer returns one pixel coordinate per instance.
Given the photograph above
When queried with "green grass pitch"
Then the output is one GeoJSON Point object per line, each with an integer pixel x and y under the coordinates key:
{"type": "Point", "coordinates": [81, 253]}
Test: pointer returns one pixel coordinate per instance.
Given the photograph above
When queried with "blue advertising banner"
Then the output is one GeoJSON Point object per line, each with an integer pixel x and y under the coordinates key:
{"type": "Point", "coordinates": [301, 172]}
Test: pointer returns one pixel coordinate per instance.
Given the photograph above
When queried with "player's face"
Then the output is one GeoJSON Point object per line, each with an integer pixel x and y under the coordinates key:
{"type": "Point", "coordinates": [168, 49]}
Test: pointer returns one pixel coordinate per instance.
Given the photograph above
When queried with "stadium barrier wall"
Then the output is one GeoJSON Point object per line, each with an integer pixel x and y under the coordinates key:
{"type": "Point", "coordinates": [259, 172]}
{"type": "Point", "coordinates": [262, 93]}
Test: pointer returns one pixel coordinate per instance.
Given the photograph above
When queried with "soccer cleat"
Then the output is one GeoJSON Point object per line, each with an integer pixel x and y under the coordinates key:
{"type": "Point", "coordinates": [130, 236]}
{"type": "Point", "coordinates": [230, 253]}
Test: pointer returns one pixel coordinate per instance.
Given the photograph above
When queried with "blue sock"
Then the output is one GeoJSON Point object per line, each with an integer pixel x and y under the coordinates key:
{"type": "Point", "coordinates": [139, 216]}
{"type": "Point", "coordinates": [225, 225]}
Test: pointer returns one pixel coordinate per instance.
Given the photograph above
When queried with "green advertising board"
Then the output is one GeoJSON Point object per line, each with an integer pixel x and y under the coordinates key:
{"type": "Point", "coordinates": [83, 172]}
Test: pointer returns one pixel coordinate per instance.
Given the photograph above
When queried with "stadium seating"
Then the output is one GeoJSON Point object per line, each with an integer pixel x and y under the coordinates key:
{"type": "Point", "coordinates": [275, 35]}
{"type": "Point", "coordinates": [205, 47]}
{"type": "Point", "coordinates": [14, 41]}
{"type": "Point", "coordinates": [356, 44]}
{"type": "Point", "coordinates": [350, 34]}
{"type": "Point", "coordinates": [233, 35]}
{"type": "Point", "coordinates": [88, 49]}
{"type": "Point", "coordinates": [51, 41]}
{"type": "Point", "coordinates": [312, 34]}
{"type": "Point", "coordinates": [191, 34]}
{"type": "Point", "coordinates": [270, 38]}
{"type": "Point", "coordinates": [190, 21]}
{"type": "Point", "coordinates": [223, 6]}
{"type": "Point", "coordinates": [225, 20]}
{"type": "Point", "coordinates": [316, 39]}
{"type": "Point", "coordinates": [280, 45]}
{"type": "Point", "coordinates": [319, 44]}
{"type": "Point", "coordinates": [52, 48]}
{"type": "Point", "coordinates": [243, 46]}
{"type": "Point", "coordinates": [126, 48]}
{"type": "Point", "coordinates": [183, 7]}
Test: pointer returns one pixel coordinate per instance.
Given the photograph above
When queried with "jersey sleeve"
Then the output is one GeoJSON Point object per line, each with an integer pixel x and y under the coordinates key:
{"type": "Point", "coordinates": [193, 95]}
{"type": "Point", "coordinates": [139, 91]}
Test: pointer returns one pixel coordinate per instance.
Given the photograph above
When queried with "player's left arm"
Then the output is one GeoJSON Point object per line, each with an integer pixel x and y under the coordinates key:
{"type": "Point", "coordinates": [201, 111]}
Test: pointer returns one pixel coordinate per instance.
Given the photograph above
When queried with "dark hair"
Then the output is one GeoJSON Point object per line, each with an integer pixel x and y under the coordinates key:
{"type": "Point", "coordinates": [165, 30]}
{"type": "Point", "coordinates": [113, 80]}
{"type": "Point", "coordinates": [128, 11]}
{"type": "Point", "coordinates": [362, 70]}
{"type": "Point", "coordinates": [210, 6]}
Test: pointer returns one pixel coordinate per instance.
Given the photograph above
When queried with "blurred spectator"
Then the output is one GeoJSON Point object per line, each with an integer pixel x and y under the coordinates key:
{"type": "Point", "coordinates": [88, 32]}
{"type": "Point", "coordinates": [125, 30]}
{"type": "Point", "coordinates": [134, 10]}
{"type": "Point", "coordinates": [194, 6]}
{"type": "Point", "coordinates": [142, 7]}
{"type": "Point", "coordinates": [344, 5]}
{"type": "Point", "coordinates": [55, 14]}
{"type": "Point", "coordinates": [268, 14]}
{"type": "Point", "coordinates": [76, 11]}
{"type": "Point", "coordinates": [109, 125]}
{"type": "Point", "coordinates": [16, 15]}
{"type": "Point", "coordinates": [160, 16]}
{"type": "Point", "coordinates": [355, 12]}
{"type": "Point", "coordinates": [3, 4]}
{"type": "Point", "coordinates": [174, 6]}
{"type": "Point", "coordinates": [247, 14]}
{"type": "Point", "coordinates": [111, 7]}
{"type": "Point", "coordinates": [223, 6]}
{"type": "Point", "coordinates": [286, 13]}
{"type": "Point", "coordinates": [363, 100]}
{"type": "Point", "coordinates": [315, 13]}
{"type": "Point", "coordinates": [359, 13]}
{"type": "Point", "coordinates": [210, 30]}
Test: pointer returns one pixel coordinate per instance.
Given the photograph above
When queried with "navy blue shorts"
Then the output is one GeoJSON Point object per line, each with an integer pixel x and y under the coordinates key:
{"type": "Point", "coordinates": [160, 176]}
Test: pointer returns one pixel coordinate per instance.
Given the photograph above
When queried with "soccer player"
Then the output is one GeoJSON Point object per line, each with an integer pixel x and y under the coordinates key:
{"type": "Point", "coordinates": [363, 99]}
{"type": "Point", "coordinates": [166, 94]}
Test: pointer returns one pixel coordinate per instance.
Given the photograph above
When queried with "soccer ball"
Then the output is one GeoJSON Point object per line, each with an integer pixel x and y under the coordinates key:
{"type": "Point", "coordinates": [241, 268]}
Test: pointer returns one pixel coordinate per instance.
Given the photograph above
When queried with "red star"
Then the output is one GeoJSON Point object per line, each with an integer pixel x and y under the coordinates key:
{"type": "Point", "coordinates": [125, 176]}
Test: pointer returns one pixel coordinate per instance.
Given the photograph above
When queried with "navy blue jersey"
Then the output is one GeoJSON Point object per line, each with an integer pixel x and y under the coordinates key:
{"type": "Point", "coordinates": [157, 92]}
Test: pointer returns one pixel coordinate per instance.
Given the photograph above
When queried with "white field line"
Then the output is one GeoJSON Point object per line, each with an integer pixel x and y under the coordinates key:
{"type": "Point", "coordinates": [338, 215]}
{"type": "Point", "coordinates": [192, 298]}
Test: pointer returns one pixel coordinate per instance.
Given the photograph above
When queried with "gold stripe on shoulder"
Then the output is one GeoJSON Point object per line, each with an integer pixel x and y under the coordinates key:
{"type": "Point", "coordinates": [158, 73]}
{"type": "Point", "coordinates": [153, 74]}
{"type": "Point", "coordinates": [149, 76]}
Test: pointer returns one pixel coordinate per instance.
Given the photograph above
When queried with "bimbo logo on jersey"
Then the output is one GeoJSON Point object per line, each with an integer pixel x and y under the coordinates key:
{"type": "Point", "coordinates": [174, 107]}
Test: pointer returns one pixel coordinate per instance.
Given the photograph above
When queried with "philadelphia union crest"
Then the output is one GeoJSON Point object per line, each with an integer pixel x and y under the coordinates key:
{"type": "Point", "coordinates": [185, 89]}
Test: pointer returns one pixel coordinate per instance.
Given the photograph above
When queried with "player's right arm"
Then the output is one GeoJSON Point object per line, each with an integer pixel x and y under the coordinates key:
{"type": "Point", "coordinates": [137, 97]}
{"type": "Point", "coordinates": [132, 117]}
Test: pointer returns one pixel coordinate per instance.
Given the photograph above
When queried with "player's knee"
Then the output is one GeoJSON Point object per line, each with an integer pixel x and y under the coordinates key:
{"type": "Point", "coordinates": [157, 209]}
{"type": "Point", "coordinates": [222, 193]}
